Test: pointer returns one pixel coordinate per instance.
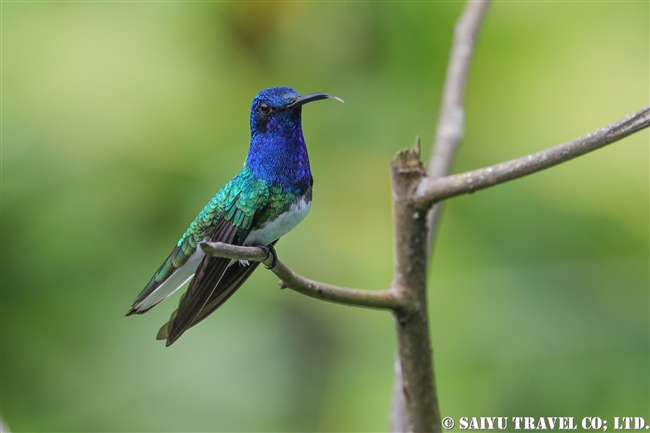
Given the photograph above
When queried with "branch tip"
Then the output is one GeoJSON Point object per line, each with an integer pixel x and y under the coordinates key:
{"type": "Point", "coordinates": [408, 160]}
{"type": "Point", "coordinates": [433, 190]}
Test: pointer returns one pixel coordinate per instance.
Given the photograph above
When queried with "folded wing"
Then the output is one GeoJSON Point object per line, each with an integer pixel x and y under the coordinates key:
{"type": "Point", "coordinates": [217, 278]}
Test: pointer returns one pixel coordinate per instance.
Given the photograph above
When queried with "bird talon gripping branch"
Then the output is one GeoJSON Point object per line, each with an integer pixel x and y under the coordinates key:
{"type": "Point", "coordinates": [270, 251]}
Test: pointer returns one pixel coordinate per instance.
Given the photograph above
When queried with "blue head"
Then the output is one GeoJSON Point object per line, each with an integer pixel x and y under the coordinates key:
{"type": "Point", "coordinates": [278, 153]}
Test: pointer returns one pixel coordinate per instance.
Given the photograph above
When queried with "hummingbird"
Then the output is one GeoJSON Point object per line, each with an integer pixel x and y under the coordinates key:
{"type": "Point", "coordinates": [263, 202]}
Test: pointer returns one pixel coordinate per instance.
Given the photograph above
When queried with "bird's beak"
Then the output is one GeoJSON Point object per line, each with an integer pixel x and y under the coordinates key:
{"type": "Point", "coordinates": [303, 99]}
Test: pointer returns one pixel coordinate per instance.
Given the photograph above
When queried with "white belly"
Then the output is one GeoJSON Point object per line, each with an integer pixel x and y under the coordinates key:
{"type": "Point", "coordinates": [280, 226]}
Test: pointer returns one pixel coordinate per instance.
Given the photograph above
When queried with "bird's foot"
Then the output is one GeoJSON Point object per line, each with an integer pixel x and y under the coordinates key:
{"type": "Point", "coordinates": [270, 251]}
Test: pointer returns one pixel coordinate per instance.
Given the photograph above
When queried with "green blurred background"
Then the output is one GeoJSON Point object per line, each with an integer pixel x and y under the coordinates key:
{"type": "Point", "coordinates": [120, 121]}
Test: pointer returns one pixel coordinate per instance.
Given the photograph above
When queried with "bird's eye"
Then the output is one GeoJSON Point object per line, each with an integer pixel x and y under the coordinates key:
{"type": "Point", "coordinates": [264, 108]}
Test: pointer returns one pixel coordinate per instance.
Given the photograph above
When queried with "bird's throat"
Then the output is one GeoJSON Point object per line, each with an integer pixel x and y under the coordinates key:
{"type": "Point", "coordinates": [279, 156]}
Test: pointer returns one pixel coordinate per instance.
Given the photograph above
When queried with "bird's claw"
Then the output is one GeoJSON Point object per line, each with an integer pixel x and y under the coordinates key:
{"type": "Point", "coordinates": [270, 251]}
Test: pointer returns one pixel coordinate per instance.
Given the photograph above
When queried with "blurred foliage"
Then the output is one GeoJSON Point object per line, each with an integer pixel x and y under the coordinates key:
{"type": "Point", "coordinates": [120, 120]}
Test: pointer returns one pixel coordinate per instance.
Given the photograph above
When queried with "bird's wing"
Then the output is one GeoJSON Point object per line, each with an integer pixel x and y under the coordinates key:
{"type": "Point", "coordinates": [181, 264]}
{"type": "Point", "coordinates": [209, 287]}
{"type": "Point", "coordinates": [176, 270]}
{"type": "Point", "coordinates": [233, 278]}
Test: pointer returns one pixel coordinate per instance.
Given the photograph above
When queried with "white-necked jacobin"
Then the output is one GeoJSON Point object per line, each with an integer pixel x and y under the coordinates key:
{"type": "Point", "coordinates": [269, 197]}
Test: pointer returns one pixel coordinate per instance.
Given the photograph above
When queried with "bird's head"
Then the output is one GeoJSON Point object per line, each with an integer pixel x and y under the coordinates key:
{"type": "Point", "coordinates": [277, 108]}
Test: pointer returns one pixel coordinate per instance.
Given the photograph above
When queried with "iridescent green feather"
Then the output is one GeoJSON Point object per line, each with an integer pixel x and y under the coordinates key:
{"type": "Point", "coordinates": [280, 201]}
{"type": "Point", "coordinates": [238, 202]}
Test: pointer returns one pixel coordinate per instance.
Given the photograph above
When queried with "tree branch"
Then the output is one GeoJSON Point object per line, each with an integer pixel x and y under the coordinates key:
{"type": "Point", "coordinates": [410, 281]}
{"type": "Point", "coordinates": [430, 191]}
{"type": "Point", "coordinates": [450, 128]}
{"type": "Point", "coordinates": [449, 133]}
{"type": "Point", "coordinates": [398, 415]}
{"type": "Point", "coordinates": [387, 299]}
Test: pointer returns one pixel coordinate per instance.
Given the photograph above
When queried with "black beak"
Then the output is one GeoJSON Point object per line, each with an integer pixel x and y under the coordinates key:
{"type": "Point", "coordinates": [310, 97]}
